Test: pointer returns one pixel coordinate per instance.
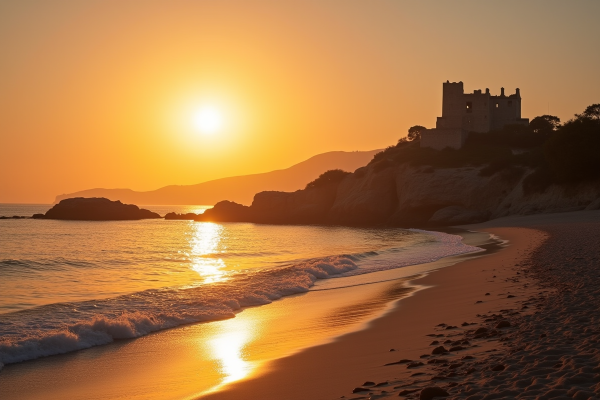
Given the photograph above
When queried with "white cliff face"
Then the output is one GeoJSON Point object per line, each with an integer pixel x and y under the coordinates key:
{"type": "Point", "coordinates": [405, 195]}
{"type": "Point", "coordinates": [365, 197]}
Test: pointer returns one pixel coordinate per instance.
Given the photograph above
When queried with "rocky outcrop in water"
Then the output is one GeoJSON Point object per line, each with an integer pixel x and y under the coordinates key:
{"type": "Point", "coordinates": [96, 209]}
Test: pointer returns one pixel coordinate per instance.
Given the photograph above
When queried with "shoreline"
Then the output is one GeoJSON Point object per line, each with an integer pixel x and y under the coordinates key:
{"type": "Point", "coordinates": [333, 369]}
{"type": "Point", "coordinates": [357, 305]}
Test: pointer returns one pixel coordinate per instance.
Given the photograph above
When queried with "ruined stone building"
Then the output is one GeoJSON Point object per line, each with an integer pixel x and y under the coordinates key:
{"type": "Point", "coordinates": [471, 112]}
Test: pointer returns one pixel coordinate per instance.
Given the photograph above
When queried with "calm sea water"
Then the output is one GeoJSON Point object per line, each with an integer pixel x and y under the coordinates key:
{"type": "Point", "coordinates": [69, 285]}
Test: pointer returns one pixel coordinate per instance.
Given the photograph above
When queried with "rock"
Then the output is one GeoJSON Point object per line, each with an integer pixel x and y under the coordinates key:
{"type": "Point", "coordinates": [382, 384]}
{"type": "Point", "coordinates": [187, 216]}
{"type": "Point", "coordinates": [227, 211]}
{"type": "Point", "coordinates": [454, 215]}
{"type": "Point", "coordinates": [481, 331]}
{"type": "Point", "coordinates": [434, 343]}
{"type": "Point", "coordinates": [467, 357]}
{"type": "Point", "coordinates": [367, 199]}
{"type": "Point", "coordinates": [439, 350]}
{"type": "Point", "coordinates": [456, 348]}
{"type": "Point", "coordinates": [432, 391]}
{"type": "Point", "coordinates": [470, 371]}
{"type": "Point", "coordinates": [38, 216]}
{"type": "Point", "coordinates": [503, 324]}
{"type": "Point", "coordinates": [478, 301]}
{"type": "Point", "coordinates": [403, 361]}
{"type": "Point", "coordinates": [465, 324]}
{"type": "Point", "coordinates": [360, 389]}
{"type": "Point", "coordinates": [498, 367]}
{"type": "Point", "coordinates": [487, 294]}
{"type": "Point", "coordinates": [451, 327]}
{"type": "Point", "coordinates": [97, 209]}
{"type": "Point", "coordinates": [368, 383]}
{"type": "Point", "coordinates": [415, 364]}
{"type": "Point", "coordinates": [392, 349]}
{"type": "Point", "coordinates": [510, 296]}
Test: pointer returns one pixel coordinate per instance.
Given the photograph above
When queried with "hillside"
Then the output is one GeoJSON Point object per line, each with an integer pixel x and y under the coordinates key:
{"type": "Point", "coordinates": [240, 189]}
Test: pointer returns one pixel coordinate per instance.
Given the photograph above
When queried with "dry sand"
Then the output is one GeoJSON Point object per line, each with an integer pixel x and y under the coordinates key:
{"type": "Point", "coordinates": [544, 285]}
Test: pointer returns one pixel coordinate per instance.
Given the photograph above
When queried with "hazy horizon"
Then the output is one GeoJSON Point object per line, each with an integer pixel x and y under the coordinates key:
{"type": "Point", "coordinates": [105, 93]}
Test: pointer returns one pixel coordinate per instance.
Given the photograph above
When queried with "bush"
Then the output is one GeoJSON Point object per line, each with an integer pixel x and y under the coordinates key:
{"type": "Point", "coordinates": [573, 152]}
{"type": "Point", "coordinates": [327, 178]}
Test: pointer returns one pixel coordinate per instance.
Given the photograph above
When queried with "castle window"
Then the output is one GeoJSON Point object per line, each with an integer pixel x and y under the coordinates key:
{"type": "Point", "coordinates": [469, 106]}
{"type": "Point", "coordinates": [510, 103]}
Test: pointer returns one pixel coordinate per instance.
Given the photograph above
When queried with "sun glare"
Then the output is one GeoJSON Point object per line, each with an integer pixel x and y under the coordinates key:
{"type": "Point", "coordinates": [208, 120]}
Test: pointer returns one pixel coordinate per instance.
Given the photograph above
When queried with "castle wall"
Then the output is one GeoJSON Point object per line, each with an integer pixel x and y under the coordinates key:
{"type": "Point", "coordinates": [471, 112]}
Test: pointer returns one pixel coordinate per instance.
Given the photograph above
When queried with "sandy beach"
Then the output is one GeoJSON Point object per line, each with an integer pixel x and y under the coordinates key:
{"type": "Point", "coordinates": [542, 285]}
{"type": "Point", "coordinates": [518, 322]}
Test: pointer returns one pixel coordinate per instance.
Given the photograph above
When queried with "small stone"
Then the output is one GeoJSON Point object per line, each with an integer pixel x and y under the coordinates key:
{"type": "Point", "coordinates": [432, 391]}
{"type": "Point", "coordinates": [442, 324]}
{"type": "Point", "coordinates": [543, 335]}
{"type": "Point", "coordinates": [382, 384]}
{"type": "Point", "coordinates": [478, 301]}
{"type": "Point", "coordinates": [465, 324]}
{"type": "Point", "coordinates": [439, 350]}
{"type": "Point", "coordinates": [498, 367]}
{"type": "Point", "coordinates": [424, 356]}
{"type": "Point", "coordinates": [435, 342]}
{"type": "Point", "coordinates": [481, 331]}
{"type": "Point", "coordinates": [487, 294]}
{"type": "Point", "coordinates": [392, 349]}
{"type": "Point", "coordinates": [451, 327]}
{"type": "Point", "coordinates": [368, 383]}
{"type": "Point", "coordinates": [510, 296]}
{"type": "Point", "coordinates": [360, 389]}
{"type": "Point", "coordinates": [403, 361]}
{"type": "Point", "coordinates": [470, 371]}
{"type": "Point", "coordinates": [456, 348]}
{"type": "Point", "coordinates": [503, 324]}
{"type": "Point", "coordinates": [468, 357]}
{"type": "Point", "coordinates": [414, 364]}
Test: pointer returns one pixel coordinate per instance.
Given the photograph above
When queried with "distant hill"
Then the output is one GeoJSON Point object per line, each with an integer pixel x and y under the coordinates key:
{"type": "Point", "coordinates": [240, 189]}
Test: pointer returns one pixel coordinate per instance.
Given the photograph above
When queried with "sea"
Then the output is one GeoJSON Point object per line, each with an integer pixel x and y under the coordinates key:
{"type": "Point", "coordinates": [71, 285]}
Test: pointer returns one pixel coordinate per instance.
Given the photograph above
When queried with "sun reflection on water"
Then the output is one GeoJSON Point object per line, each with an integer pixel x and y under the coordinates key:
{"type": "Point", "coordinates": [205, 248]}
{"type": "Point", "coordinates": [228, 349]}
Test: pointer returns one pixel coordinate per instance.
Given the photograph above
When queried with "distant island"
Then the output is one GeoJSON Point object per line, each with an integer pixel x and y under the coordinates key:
{"type": "Point", "coordinates": [240, 189]}
{"type": "Point", "coordinates": [95, 209]}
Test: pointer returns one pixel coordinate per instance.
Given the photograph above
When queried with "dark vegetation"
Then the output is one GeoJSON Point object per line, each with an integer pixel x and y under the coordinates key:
{"type": "Point", "coordinates": [326, 178]}
{"type": "Point", "coordinates": [561, 154]}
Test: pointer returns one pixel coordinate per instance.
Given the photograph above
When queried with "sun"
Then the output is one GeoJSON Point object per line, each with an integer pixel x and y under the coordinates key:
{"type": "Point", "coordinates": [208, 120]}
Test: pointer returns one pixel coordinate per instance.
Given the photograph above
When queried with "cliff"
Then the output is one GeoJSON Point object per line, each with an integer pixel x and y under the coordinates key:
{"type": "Point", "coordinates": [404, 195]}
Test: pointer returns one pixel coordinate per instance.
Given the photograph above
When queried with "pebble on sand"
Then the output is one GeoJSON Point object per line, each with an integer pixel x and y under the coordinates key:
{"type": "Point", "coordinates": [439, 350]}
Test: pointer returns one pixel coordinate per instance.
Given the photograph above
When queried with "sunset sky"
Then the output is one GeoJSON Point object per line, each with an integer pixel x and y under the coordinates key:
{"type": "Point", "coordinates": [142, 94]}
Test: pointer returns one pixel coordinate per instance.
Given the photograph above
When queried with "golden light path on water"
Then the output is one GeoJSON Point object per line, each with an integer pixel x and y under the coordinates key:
{"type": "Point", "coordinates": [205, 245]}
{"type": "Point", "coordinates": [227, 345]}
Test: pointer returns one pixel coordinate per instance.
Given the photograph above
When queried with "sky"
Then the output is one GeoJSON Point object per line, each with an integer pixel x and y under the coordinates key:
{"type": "Point", "coordinates": [107, 93]}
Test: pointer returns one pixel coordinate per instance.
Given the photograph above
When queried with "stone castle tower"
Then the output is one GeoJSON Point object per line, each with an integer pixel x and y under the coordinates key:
{"type": "Point", "coordinates": [471, 112]}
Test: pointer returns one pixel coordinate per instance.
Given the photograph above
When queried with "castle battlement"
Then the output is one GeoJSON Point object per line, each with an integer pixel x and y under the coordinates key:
{"type": "Point", "coordinates": [471, 112]}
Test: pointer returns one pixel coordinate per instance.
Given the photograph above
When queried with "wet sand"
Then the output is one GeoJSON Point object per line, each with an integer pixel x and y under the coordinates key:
{"type": "Point", "coordinates": [544, 285]}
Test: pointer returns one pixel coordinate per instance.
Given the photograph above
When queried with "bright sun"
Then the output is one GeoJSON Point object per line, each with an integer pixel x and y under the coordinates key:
{"type": "Point", "coordinates": [208, 120]}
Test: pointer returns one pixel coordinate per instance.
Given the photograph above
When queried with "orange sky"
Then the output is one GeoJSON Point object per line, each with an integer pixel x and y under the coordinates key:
{"type": "Point", "coordinates": [102, 93]}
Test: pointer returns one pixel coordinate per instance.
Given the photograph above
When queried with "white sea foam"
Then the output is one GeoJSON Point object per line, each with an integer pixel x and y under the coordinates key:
{"type": "Point", "coordinates": [64, 330]}
{"type": "Point", "coordinates": [66, 327]}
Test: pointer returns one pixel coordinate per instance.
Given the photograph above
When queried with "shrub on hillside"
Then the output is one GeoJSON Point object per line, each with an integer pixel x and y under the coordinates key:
{"type": "Point", "coordinates": [326, 178]}
{"type": "Point", "coordinates": [573, 152]}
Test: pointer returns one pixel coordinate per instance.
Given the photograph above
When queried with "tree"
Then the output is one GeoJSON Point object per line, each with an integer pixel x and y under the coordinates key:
{"type": "Point", "coordinates": [591, 112]}
{"type": "Point", "coordinates": [414, 132]}
{"type": "Point", "coordinates": [545, 124]}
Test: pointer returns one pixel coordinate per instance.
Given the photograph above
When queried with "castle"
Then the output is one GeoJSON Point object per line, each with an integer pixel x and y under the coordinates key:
{"type": "Point", "coordinates": [471, 112]}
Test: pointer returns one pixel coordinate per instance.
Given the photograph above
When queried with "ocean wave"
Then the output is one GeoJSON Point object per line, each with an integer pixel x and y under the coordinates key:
{"type": "Point", "coordinates": [67, 327]}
